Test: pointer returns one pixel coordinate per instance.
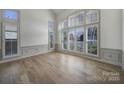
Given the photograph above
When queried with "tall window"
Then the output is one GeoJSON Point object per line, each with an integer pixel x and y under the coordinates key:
{"type": "Point", "coordinates": [92, 39]}
{"type": "Point", "coordinates": [10, 40]}
{"type": "Point", "coordinates": [10, 33]}
{"type": "Point", "coordinates": [92, 29]}
{"type": "Point", "coordinates": [71, 36]}
{"type": "Point", "coordinates": [79, 39]}
{"type": "Point", "coordinates": [64, 39]}
{"type": "Point", "coordinates": [65, 34]}
{"type": "Point", "coordinates": [80, 32]}
{"type": "Point", "coordinates": [51, 38]}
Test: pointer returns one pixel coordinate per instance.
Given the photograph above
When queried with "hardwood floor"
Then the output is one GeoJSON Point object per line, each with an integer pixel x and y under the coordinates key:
{"type": "Point", "coordinates": [59, 68]}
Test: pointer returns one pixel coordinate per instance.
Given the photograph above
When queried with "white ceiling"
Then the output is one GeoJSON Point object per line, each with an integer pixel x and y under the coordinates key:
{"type": "Point", "coordinates": [58, 11]}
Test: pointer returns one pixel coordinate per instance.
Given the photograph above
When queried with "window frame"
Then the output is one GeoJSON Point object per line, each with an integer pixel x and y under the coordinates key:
{"type": "Point", "coordinates": [98, 40]}
{"type": "Point", "coordinates": [84, 26]}
{"type": "Point", "coordinates": [69, 41]}
{"type": "Point", "coordinates": [82, 42]}
{"type": "Point", "coordinates": [53, 31]}
{"type": "Point", "coordinates": [62, 40]}
{"type": "Point", "coordinates": [10, 22]}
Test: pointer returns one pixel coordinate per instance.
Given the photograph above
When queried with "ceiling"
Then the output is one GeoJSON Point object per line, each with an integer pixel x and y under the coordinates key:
{"type": "Point", "coordinates": [58, 11]}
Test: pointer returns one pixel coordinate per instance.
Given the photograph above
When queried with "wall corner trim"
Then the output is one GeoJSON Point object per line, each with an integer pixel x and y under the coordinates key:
{"type": "Point", "coordinates": [122, 66]}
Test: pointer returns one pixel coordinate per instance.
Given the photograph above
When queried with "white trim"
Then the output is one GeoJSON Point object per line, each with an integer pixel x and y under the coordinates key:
{"type": "Point", "coordinates": [122, 65]}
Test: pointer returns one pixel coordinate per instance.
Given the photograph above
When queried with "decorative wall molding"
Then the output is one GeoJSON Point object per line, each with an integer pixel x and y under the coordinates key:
{"type": "Point", "coordinates": [122, 66]}
{"type": "Point", "coordinates": [111, 56]}
{"type": "Point", "coordinates": [0, 54]}
{"type": "Point", "coordinates": [122, 61]}
{"type": "Point", "coordinates": [28, 51]}
{"type": "Point", "coordinates": [33, 50]}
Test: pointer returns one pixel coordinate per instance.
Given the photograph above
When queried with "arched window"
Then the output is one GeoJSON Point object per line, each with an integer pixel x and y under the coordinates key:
{"type": "Point", "coordinates": [80, 32]}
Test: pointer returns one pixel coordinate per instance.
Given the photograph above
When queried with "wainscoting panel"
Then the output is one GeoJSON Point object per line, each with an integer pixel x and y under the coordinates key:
{"type": "Point", "coordinates": [0, 54]}
{"type": "Point", "coordinates": [27, 52]}
{"type": "Point", "coordinates": [34, 50]}
{"type": "Point", "coordinates": [111, 56]}
{"type": "Point", "coordinates": [122, 61]}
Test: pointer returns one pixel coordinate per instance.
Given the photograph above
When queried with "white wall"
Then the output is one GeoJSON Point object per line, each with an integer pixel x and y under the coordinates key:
{"type": "Point", "coordinates": [110, 27]}
{"type": "Point", "coordinates": [123, 39]}
{"type": "Point", "coordinates": [34, 26]}
{"type": "Point", "coordinates": [123, 30]}
{"type": "Point", "coordinates": [0, 28]}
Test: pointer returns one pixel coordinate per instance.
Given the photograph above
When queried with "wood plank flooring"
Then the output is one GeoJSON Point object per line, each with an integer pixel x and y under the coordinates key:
{"type": "Point", "coordinates": [52, 68]}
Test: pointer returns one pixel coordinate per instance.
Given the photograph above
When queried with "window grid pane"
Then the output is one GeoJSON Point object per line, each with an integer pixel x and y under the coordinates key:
{"type": "Point", "coordinates": [65, 39]}
{"type": "Point", "coordinates": [65, 24]}
{"type": "Point", "coordinates": [80, 39]}
{"type": "Point", "coordinates": [76, 20]}
{"type": "Point", "coordinates": [10, 35]}
{"type": "Point", "coordinates": [92, 17]}
{"type": "Point", "coordinates": [72, 39]}
{"type": "Point", "coordinates": [92, 39]}
{"type": "Point", "coordinates": [11, 15]}
{"type": "Point", "coordinates": [51, 39]}
{"type": "Point", "coordinates": [8, 45]}
{"type": "Point", "coordinates": [10, 40]}
{"type": "Point", "coordinates": [92, 47]}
